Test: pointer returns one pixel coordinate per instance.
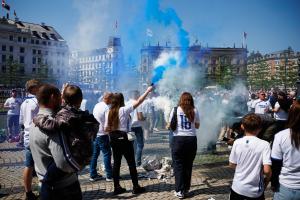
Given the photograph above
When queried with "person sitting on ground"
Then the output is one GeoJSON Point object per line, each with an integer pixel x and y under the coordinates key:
{"type": "Point", "coordinates": [79, 129]}
{"type": "Point", "coordinates": [251, 159]}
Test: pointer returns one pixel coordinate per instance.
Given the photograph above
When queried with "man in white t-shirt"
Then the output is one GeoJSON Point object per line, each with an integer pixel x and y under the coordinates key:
{"type": "Point", "coordinates": [29, 109]}
{"type": "Point", "coordinates": [101, 142]}
{"type": "Point", "coordinates": [137, 119]}
{"type": "Point", "coordinates": [262, 105]}
{"type": "Point", "coordinates": [13, 105]}
{"type": "Point", "coordinates": [251, 158]}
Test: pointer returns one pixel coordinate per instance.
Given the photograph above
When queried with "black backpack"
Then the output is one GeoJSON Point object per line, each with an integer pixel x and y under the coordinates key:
{"type": "Point", "coordinates": [173, 125]}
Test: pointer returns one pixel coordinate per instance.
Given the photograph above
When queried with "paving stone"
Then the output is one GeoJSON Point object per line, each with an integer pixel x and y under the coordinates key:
{"type": "Point", "coordinates": [211, 176]}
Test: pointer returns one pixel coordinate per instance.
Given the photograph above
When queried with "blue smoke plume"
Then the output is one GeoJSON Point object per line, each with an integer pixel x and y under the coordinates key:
{"type": "Point", "coordinates": [167, 17]}
{"type": "Point", "coordinates": [159, 70]}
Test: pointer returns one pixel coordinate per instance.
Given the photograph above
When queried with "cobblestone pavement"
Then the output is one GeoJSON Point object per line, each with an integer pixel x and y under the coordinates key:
{"type": "Point", "coordinates": [211, 176]}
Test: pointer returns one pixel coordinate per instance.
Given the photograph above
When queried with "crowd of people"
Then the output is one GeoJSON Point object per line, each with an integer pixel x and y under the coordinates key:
{"type": "Point", "coordinates": [60, 140]}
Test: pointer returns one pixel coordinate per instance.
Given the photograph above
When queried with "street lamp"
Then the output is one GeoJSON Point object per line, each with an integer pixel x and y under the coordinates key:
{"type": "Point", "coordinates": [286, 55]}
{"type": "Point", "coordinates": [298, 81]}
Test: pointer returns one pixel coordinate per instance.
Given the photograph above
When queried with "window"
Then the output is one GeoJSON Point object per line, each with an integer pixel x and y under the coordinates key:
{"type": "Point", "coordinates": [11, 48]}
{"type": "Point", "coordinates": [32, 41]}
{"type": "Point", "coordinates": [24, 40]}
{"type": "Point", "coordinates": [49, 43]}
{"type": "Point", "coordinates": [21, 59]}
{"type": "Point", "coordinates": [3, 47]}
{"type": "Point", "coordinates": [39, 52]}
{"type": "Point", "coordinates": [19, 39]}
{"type": "Point", "coordinates": [22, 50]}
{"type": "Point", "coordinates": [22, 70]}
{"type": "Point", "coordinates": [39, 60]}
{"type": "Point", "coordinates": [44, 43]}
{"type": "Point", "coordinates": [3, 58]}
{"type": "Point", "coordinates": [33, 51]}
{"type": "Point", "coordinates": [33, 60]}
{"type": "Point", "coordinates": [3, 68]}
{"type": "Point", "coordinates": [11, 57]}
{"type": "Point", "coordinates": [11, 38]}
{"type": "Point", "coordinates": [33, 70]}
{"type": "Point", "coordinates": [37, 42]}
{"type": "Point", "coordinates": [46, 53]}
{"type": "Point", "coordinates": [238, 70]}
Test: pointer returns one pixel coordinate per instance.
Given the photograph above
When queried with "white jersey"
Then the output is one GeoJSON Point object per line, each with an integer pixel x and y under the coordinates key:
{"type": "Point", "coordinates": [124, 117]}
{"type": "Point", "coordinates": [281, 114]}
{"type": "Point", "coordinates": [184, 126]}
{"type": "Point", "coordinates": [28, 110]}
{"type": "Point", "coordinates": [14, 105]}
{"type": "Point", "coordinates": [134, 115]}
{"type": "Point", "coordinates": [249, 153]}
{"type": "Point", "coordinates": [99, 114]}
{"type": "Point", "coordinates": [285, 151]}
{"type": "Point", "coordinates": [261, 107]}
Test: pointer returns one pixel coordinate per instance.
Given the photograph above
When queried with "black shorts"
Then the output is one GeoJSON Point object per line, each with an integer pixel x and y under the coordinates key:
{"type": "Point", "coordinates": [236, 196]}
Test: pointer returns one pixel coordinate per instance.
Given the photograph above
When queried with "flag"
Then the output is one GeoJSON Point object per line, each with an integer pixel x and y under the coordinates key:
{"type": "Point", "coordinates": [15, 14]}
{"type": "Point", "coordinates": [245, 35]}
{"type": "Point", "coordinates": [116, 25]}
{"type": "Point", "coordinates": [5, 5]}
{"type": "Point", "coordinates": [149, 32]}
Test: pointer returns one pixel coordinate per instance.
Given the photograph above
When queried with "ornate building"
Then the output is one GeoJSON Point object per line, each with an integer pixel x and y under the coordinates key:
{"type": "Point", "coordinates": [31, 50]}
{"type": "Point", "coordinates": [213, 62]}
{"type": "Point", "coordinates": [276, 69]}
{"type": "Point", "coordinates": [98, 69]}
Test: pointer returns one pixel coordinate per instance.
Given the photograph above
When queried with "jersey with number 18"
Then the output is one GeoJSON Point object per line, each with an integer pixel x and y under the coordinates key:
{"type": "Point", "coordinates": [184, 126]}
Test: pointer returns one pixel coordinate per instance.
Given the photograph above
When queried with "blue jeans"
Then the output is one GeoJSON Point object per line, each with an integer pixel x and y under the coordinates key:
{"type": "Point", "coordinates": [28, 158]}
{"type": "Point", "coordinates": [138, 144]}
{"type": "Point", "coordinates": [101, 143]}
{"type": "Point", "coordinates": [285, 193]}
{"type": "Point", "coordinates": [13, 125]}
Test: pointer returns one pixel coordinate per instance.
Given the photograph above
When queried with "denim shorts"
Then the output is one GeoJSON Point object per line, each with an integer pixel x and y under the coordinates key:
{"type": "Point", "coordinates": [28, 158]}
{"type": "Point", "coordinates": [286, 193]}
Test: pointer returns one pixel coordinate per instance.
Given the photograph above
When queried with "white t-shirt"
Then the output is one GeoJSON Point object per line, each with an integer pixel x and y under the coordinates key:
{"type": "Point", "coordinates": [249, 153]}
{"type": "Point", "coordinates": [261, 106]}
{"type": "Point", "coordinates": [28, 110]}
{"type": "Point", "coordinates": [250, 105]}
{"type": "Point", "coordinates": [124, 117]}
{"type": "Point", "coordinates": [134, 115]}
{"type": "Point", "coordinates": [99, 114]}
{"type": "Point", "coordinates": [14, 105]}
{"type": "Point", "coordinates": [285, 151]}
{"type": "Point", "coordinates": [281, 114]}
{"type": "Point", "coordinates": [184, 126]}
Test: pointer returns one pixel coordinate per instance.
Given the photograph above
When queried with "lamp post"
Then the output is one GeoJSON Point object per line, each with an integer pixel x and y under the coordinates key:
{"type": "Point", "coordinates": [298, 81]}
{"type": "Point", "coordinates": [286, 56]}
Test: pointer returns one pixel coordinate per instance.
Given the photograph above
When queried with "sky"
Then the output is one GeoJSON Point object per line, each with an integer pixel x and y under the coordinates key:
{"type": "Point", "coordinates": [271, 25]}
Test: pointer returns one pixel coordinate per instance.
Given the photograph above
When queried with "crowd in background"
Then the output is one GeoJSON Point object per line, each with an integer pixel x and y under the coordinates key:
{"type": "Point", "coordinates": [61, 138]}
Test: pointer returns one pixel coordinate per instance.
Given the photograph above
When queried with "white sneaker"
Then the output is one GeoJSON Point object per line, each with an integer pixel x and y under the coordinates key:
{"type": "Point", "coordinates": [109, 179]}
{"type": "Point", "coordinates": [179, 195]}
{"type": "Point", "coordinates": [156, 129]}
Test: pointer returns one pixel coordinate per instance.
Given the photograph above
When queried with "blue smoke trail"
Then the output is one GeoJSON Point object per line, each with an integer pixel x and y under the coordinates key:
{"type": "Point", "coordinates": [159, 70]}
{"type": "Point", "coordinates": [167, 17]}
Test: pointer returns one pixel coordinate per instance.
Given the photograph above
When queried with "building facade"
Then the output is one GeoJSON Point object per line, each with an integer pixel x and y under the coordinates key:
{"type": "Point", "coordinates": [215, 63]}
{"type": "Point", "coordinates": [31, 50]}
{"type": "Point", "coordinates": [274, 70]}
{"type": "Point", "coordinates": [98, 69]}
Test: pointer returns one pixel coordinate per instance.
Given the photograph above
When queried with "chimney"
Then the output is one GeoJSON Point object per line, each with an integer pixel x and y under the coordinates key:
{"type": "Point", "coordinates": [17, 19]}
